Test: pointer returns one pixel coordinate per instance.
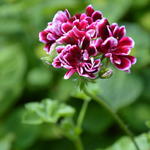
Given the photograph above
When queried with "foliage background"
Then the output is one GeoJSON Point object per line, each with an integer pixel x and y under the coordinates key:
{"type": "Point", "coordinates": [25, 78]}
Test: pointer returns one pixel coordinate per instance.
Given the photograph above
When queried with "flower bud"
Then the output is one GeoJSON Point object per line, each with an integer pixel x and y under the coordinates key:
{"type": "Point", "coordinates": [105, 73]}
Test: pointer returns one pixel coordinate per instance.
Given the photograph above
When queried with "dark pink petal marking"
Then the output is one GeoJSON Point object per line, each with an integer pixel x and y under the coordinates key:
{"type": "Point", "coordinates": [102, 29]}
{"type": "Point", "coordinates": [89, 10]}
{"type": "Point", "coordinates": [97, 15]}
{"type": "Point", "coordinates": [109, 44]}
{"type": "Point", "coordinates": [85, 42]}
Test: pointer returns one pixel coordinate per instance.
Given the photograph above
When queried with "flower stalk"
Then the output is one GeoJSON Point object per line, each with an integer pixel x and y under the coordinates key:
{"type": "Point", "coordinates": [82, 114]}
{"type": "Point", "coordinates": [114, 115]}
{"type": "Point", "coordinates": [78, 144]}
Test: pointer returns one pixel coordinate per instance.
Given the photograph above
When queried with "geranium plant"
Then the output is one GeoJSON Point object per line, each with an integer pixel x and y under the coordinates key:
{"type": "Point", "coordinates": [89, 46]}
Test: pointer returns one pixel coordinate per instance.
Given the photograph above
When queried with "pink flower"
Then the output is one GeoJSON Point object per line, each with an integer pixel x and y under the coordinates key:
{"type": "Point", "coordinates": [71, 58]}
{"type": "Point", "coordinates": [53, 30]}
{"type": "Point", "coordinates": [81, 40]}
{"type": "Point", "coordinates": [79, 26]}
{"type": "Point", "coordinates": [65, 29]}
{"type": "Point", "coordinates": [115, 45]}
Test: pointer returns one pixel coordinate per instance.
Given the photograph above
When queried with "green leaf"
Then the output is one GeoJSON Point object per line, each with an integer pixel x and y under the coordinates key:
{"type": "Point", "coordinates": [5, 27]}
{"type": "Point", "coordinates": [63, 89]}
{"type": "Point", "coordinates": [121, 89]}
{"type": "Point", "coordinates": [50, 131]}
{"type": "Point", "coordinates": [69, 129]}
{"type": "Point", "coordinates": [13, 66]}
{"type": "Point", "coordinates": [6, 142]}
{"type": "Point", "coordinates": [139, 3]}
{"type": "Point", "coordinates": [24, 135]}
{"type": "Point", "coordinates": [126, 144]}
{"type": "Point", "coordinates": [99, 123]}
{"type": "Point", "coordinates": [112, 9]}
{"type": "Point", "coordinates": [145, 21]}
{"type": "Point", "coordinates": [148, 124]}
{"type": "Point", "coordinates": [142, 44]}
{"type": "Point", "coordinates": [141, 112]}
{"type": "Point", "coordinates": [47, 111]}
{"type": "Point", "coordinates": [39, 78]}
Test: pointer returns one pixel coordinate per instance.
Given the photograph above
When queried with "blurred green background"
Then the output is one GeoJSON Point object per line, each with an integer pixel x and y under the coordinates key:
{"type": "Point", "coordinates": [25, 78]}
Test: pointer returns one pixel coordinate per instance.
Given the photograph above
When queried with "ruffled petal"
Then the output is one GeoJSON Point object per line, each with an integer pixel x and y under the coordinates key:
{"type": "Point", "coordinates": [102, 29]}
{"type": "Point", "coordinates": [69, 73]}
{"type": "Point", "coordinates": [132, 59]}
{"type": "Point", "coordinates": [126, 42]}
{"type": "Point", "coordinates": [56, 63]}
{"type": "Point", "coordinates": [109, 44]}
{"type": "Point", "coordinates": [97, 15]}
{"type": "Point", "coordinates": [66, 27]}
{"type": "Point", "coordinates": [85, 42]}
{"type": "Point", "coordinates": [122, 51]}
{"type": "Point", "coordinates": [43, 37]}
{"type": "Point", "coordinates": [89, 10]}
{"type": "Point", "coordinates": [92, 51]}
{"type": "Point", "coordinates": [125, 64]}
{"type": "Point", "coordinates": [60, 16]}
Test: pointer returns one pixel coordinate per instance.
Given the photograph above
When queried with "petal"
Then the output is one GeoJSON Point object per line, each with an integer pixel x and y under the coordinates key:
{"type": "Point", "coordinates": [59, 49]}
{"type": "Point", "coordinates": [97, 15]}
{"type": "Point", "coordinates": [132, 59]}
{"type": "Point", "coordinates": [92, 51]}
{"type": "Point", "coordinates": [83, 24]}
{"type": "Point", "coordinates": [91, 33]}
{"type": "Point", "coordinates": [69, 73]}
{"type": "Point", "coordinates": [51, 37]}
{"type": "Point", "coordinates": [43, 37]}
{"type": "Point", "coordinates": [81, 72]}
{"type": "Point", "coordinates": [102, 29]}
{"type": "Point", "coordinates": [57, 29]}
{"type": "Point", "coordinates": [122, 32]}
{"type": "Point", "coordinates": [78, 33]}
{"type": "Point", "coordinates": [89, 10]}
{"type": "Point", "coordinates": [85, 55]}
{"type": "Point", "coordinates": [89, 20]}
{"type": "Point", "coordinates": [56, 63]}
{"type": "Point", "coordinates": [109, 44]}
{"type": "Point", "coordinates": [113, 26]}
{"type": "Point", "coordinates": [126, 42]}
{"type": "Point", "coordinates": [83, 16]}
{"type": "Point", "coordinates": [98, 43]}
{"type": "Point", "coordinates": [67, 13]}
{"type": "Point", "coordinates": [124, 65]}
{"type": "Point", "coordinates": [60, 16]}
{"type": "Point", "coordinates": [67, 39]}
{"type": "Point", "coordinates": [66, 27]}
{"type": "Point", "coordinates": [119, 32]}
{"type": "Point", "coordinates": [122, 51]}
{"type": "Point", "coordinates": [49, 47]}
{"type": "Point", "coordinates": [85, 42]}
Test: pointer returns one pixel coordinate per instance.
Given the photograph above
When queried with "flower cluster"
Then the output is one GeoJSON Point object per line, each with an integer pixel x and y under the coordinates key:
{"type": "Point", "coordinates": [84, 40]}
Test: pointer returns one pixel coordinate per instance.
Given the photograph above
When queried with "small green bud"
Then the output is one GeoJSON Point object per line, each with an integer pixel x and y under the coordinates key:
{"type": "Point", "coordinates": [105, 73]}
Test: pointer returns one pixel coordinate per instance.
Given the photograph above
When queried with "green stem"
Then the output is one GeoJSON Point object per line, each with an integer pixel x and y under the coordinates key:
{"type": "Point", "coordinates": [82, 114]}
{"type": "Point", "coordinates": [114, 115]}
{"type": "Point", "coordinates": [78, 144]}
